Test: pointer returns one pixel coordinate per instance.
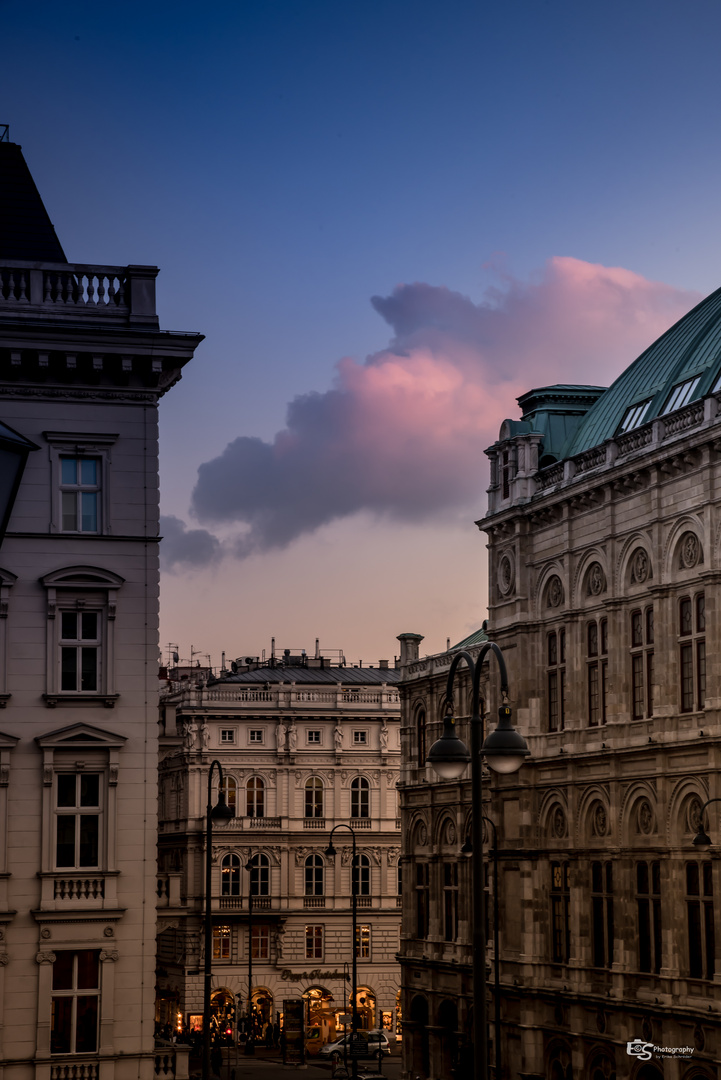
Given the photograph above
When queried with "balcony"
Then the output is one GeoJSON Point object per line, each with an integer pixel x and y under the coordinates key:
{"type": "Point", "coordinates": [116, 295]}
{"type": "Point", "coordinates": [313, 901]}
{"type": "Point", "coordinates": [365, 901]}
{"type": "Point", "coordinates": [237, 903]}
{"type": "Point", "coordinates": [360, 822]}
{"type": "Point", "coordinates": [314, 823]}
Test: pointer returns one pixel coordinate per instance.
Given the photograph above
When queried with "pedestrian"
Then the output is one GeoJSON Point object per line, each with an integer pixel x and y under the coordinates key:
{"type": "Point", "coordinates": [216, 1060]}
{"type": "Point", "coordinates": [276, 1034]}
{"type": "Point", "coordinates": [269, 1035]}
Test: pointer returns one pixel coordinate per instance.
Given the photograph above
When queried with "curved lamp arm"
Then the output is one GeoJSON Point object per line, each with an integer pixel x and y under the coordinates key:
{"type": "Point", "coordinates": [702, 839]}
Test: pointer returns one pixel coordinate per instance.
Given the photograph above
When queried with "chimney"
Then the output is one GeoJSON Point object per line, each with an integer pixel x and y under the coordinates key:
{"type": "Point", "coordinates": [383, 664]}
{"type": "Point", "coordinates": [409, 647]}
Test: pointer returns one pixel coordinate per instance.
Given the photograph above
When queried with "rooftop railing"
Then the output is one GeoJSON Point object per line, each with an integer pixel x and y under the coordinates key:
{"type": "Point", "coordinates": [71, 291]}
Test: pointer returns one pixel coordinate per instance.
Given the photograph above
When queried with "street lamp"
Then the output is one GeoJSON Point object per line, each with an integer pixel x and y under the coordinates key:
{"type": "Point", "coordinates": [330, 850]}
{"type": "Point", "coordinates": [467, 849]}
{"type": "Point", "coordinates": [220, 812]}
{"type": "Point", "coordinates": [250, 1040]}
{"type": "Point", "coordinates": [504, 750]}
{"type": "Point", "coordinates": [702, 839]}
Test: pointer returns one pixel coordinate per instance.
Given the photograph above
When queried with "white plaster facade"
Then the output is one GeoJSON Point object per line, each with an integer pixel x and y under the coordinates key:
{"type": "Point", "coordinates": [82, 366]}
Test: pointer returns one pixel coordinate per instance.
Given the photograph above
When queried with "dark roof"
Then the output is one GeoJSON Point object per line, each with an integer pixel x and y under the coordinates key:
{"type": "Point", "coordinates": [26, 232]}
{"type": "Point", "coordinates": [346, 676]}
{"type": "Point", "coordinates": [691, 347]}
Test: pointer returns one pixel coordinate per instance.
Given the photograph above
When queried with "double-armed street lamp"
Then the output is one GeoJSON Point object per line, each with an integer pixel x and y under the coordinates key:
{"type": "Point", "coordinates": [467, 849]}
{"type": "Point", "coordinates": [505, 751]}
{"type": "Point", "coordinates": [330, 851]}
{"type": "Point", "coordinates": [220, 812]}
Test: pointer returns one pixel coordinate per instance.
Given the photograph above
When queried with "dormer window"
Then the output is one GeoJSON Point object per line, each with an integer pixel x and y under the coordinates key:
{"type": "Point", "coordinates": [681, 395]}
{"type": "Point", "coordinates": [635, 416]}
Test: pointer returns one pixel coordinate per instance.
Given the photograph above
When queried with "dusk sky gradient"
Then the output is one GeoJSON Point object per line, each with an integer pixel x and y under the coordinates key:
{"type": "Point", "coordinates": [389, 219]}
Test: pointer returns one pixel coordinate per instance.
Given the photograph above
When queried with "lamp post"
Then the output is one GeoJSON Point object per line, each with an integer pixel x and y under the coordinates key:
{"type": "Point", "coordinates": [250, 1040]}
{"type": "Point", "coordinates": [504, 750]}
{"type": "Point", "coordinates": [220, 812]}
{"type": "Point", "coordinates": [702, 839]}
{"type": "Point", "coordinates": [330, 850]}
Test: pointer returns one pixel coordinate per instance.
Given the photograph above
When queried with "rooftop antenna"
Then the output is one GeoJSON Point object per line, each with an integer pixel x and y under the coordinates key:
{"type": "Point", "coordinates": [173, 653]}
{"type": "Point", "coordinates": [4, 133]}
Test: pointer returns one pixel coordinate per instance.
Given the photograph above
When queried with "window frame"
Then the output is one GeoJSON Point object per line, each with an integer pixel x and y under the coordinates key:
{"type": "Point", "coordinates": [252, 732]}
{"type": "Point", "coordinates": [556, 679]}
{"type": "Point", "coordinates": [78, 811]}
{"type": "Point", "coordinates": [363, 940]}
{"type": "Point", "coordinates": [311, 740]}
{"type": "Point", "coordinates": [63, 444]}
{"type": "Point", "coordinates": [360, 737]}
{"type": "Point", "coordinates": [361, 876]}
{"type": "Point", "coordinates": [256, 797]}
{"type": "Point", "coordinates": [313, 875]}
{"type": "Point", "coordinates": [560, 922]}
{"type": "Point", "coordinates": [314, 941]}
{"type": "Point", "coordinates": [692, 653]}
{"type": "Point", "coordinates": [78, 589]}
{"type": "Point", "coordinates": [597, 671]}
{"type": "Point", "coordinates": [360, 798]}
{"type": "Point", "coordinates": [602, 914]}
{"type": "Point", "coordinates": [223, 737]}
{"type": "Point", "coordinates": [641, 653]}
{"type": "Point", "coordinates": [649, 915]}
{"type": "Point", "coordinates": [74, 995]}
{"type": "Point", "coordinates": [700, 929]}
{"type": "Point", "coordinates": [313, 798]}
{"type": "Point", "coordinates": [222, 942]}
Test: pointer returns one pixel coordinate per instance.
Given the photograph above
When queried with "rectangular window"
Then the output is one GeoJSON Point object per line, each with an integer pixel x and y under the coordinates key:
{"type": "Point", "coordinates": [692, 652]}
{"type": "Point", "coordinates": [314, 942]}
{"type": "Point", "coordinates": [314, 737]}
{"type": "Point", "coordinates": [648, 905]}
{"type": "Point", "coordinates": [560, 912]}
{"type": "Point", "coordinates": [80, 651]}
{"type": "Point", "coordinates": [642, 672]}
{"type": "Point", "coordinates": [363, 942]}
{"type": "Point", "coordinates": [255, 735]}
{"type": "Point", "coordinates": [75, 1002]}
{"type": "Point", "coordinates": [227, 735]}
{"type": "Point", "coordinates": [79, 494]}
{"type": "Point", "coordinates": [556, 679]}
{"type": "Point", "coordinates": [421, 899]}
{"type": "Point", "coordinates": [597, 671]}
{"type": "Point", "coordinates": [260, 943]}
{"type": "Point", "coordinates": [221, 943]}
{"type": "Point", "coordinates": [602, 911]}
{"type": "Point", "coordinates": [450, 901]}
{"type": "Point", "coordinates": [360, 738]}
{"type": "Point", "coordinates": [700, 917]}
{"type": "Point", "coordinates": [77, 820]}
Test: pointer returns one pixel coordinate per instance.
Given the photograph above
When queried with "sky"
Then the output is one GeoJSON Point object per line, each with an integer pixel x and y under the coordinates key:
{"type": "Point", "coordinates": [389, 218]}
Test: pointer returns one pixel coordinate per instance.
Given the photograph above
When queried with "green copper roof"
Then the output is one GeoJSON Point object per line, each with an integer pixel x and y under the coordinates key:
{"type": "Point", "coordinates": [478, 637]}
{"type": "Point", "coordinates": [692, 347]}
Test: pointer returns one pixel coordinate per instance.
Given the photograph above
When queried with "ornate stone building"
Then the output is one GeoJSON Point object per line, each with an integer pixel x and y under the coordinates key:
{"type": "Point", "coordinates": [305, 744]}
{"type": "Point", "coordinates": [82, 367]}
{"type": "Point", "coordinates": [604, 540]}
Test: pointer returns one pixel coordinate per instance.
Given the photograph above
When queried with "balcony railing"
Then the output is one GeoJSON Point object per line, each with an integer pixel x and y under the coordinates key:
{"type": "Point", "coordinates": [124, 294]}
{"type": "Point", "coordinates": [314, 823]}
{"type": "Point", "coordinates": [365, 901]}
{"type": "Point", "coordinates": [313, 901]}
{"type": "Point", "coordinates": [75, 1070]}
{"type": "Point", "coordinates": [360, 822]}
{"type": "Point", "coordinates": [263, 822]}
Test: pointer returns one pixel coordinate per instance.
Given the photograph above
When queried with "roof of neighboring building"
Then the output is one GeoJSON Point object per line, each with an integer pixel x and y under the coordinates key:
{"type": "Point", "coordinates": [26, 232]}
{"type": "Point", "coordinates": [478, 637]}
{"type": "Point", "coordinates": [347, 676]}
{"type": "Point", "coordinates": [691, 347]}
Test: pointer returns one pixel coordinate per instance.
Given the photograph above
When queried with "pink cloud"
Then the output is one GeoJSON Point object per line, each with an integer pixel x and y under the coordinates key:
{"type": "Point", "coordinates": [402, 434]}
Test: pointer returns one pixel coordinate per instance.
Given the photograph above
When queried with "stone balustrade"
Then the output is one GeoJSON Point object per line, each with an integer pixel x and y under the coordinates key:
{"type": "Point", "coordinates": [116, 294]}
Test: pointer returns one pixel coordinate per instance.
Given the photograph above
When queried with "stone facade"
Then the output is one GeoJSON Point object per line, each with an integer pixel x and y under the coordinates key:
{"type": "Point", "coordinates": [304, 746]}
{"type": "Point", "coordinates": [82, 366]}
{"type": "Point", "coordinates": [604, 571]}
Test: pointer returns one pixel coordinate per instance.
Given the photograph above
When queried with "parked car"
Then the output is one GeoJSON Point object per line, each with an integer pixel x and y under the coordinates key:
{"type": "Point", "coordinates": [368, 1043]}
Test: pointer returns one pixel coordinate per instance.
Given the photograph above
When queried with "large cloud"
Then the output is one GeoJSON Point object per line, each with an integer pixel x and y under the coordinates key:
{"type": "Point", "coordinates": [402, 435]}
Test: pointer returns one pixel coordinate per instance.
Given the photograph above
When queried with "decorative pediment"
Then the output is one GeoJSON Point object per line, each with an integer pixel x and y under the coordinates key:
{"type": "Point", "coordinates": [82, 577]}
{"type": "Point", "coordinates": [7, 742]}
{"type": "Point", "coordinates": [81, 735]}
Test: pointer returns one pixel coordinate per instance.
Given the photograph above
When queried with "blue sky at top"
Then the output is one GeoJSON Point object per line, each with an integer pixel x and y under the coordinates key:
{"type": "Point", "coordinates": [284, 161]}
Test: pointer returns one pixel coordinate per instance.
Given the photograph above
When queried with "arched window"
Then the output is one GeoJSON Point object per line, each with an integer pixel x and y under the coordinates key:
{"type": "Point", "coordinates": [260, 875]}
{"type": "Point", "coordinates": [230, 875]}
{"type": "Point", "coordinates": [256, 797]}
{"type": "Point", "coordinates": [362, 876]}
{"type": "Point", "coordinates": [314, 876]}
{"type": "Point", "coordinates": [230, 788]}
{"type": "Point", "coordinates": [360, 798]}
{"type": "Point", "coordinates": [314, 797]}
{"type": "Point", "coordinates": [421, 725]}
